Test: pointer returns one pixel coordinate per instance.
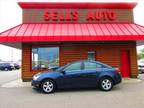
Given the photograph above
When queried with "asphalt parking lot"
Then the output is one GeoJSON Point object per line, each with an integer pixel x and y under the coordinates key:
{"type": "Point", "coordinates": [129, 94]}
{"type": "Point", "coordinates": [7, 76]}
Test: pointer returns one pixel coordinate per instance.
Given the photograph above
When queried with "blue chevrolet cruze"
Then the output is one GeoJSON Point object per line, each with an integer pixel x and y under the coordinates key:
{"type": "Point", "coordinates": [79, 74]}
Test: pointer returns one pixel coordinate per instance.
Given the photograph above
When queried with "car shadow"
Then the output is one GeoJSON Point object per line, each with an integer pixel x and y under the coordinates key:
{"type": "Point", "coordinates": [77, 90]}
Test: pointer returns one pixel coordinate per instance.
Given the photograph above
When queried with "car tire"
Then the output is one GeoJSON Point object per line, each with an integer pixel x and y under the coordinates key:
{"type": "Point", "coordinates": [140, 72]}
{"type": "Point", "coordinates": [48, 86]}
{"type": "Point", "coordinates": [6, 69]}
{"type": "Point", "coordinates": [106, 84]}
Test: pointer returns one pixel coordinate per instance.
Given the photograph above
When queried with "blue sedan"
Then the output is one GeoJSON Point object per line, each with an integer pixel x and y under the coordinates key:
{"type": "Point", "coordinates": [79, 74]}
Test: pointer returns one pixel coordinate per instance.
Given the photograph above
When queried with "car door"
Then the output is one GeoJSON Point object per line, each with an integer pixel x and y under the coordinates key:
{"type": "Point", "coordinates": [89, 74]}
{"type": "Point", "coordinates": [71, 76]}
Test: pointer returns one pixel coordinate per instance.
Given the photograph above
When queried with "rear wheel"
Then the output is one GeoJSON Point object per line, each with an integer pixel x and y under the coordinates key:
{"type": "Point", "coordinates": [48, 86]}
{"type": "Point", "coordinates": [106, 84]}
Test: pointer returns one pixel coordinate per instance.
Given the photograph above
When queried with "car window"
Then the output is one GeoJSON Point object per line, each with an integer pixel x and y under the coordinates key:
{"type": "Point", "coordinates": [93, 65]}
{"type": "Point", "coordinates": [101, 65]}
{"type": "Point", "coordinates": [74, 66]}
{"type": "Point", "coordinates": [89, 66]}
{"type": "Point", "coordinates": [4, 64]}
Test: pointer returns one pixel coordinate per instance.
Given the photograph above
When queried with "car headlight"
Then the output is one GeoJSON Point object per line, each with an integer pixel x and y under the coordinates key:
{"type": "Point", "coordinates": [35, 77]}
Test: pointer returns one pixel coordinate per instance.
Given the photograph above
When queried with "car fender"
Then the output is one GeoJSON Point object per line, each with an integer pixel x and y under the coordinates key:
{"type": "Point", "coordinates": [49, 75]}
{"type": "Point", "coordinates": [106, 74]}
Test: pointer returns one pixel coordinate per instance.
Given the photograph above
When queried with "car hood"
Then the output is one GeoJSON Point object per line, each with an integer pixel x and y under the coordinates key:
{"type": "Point", "coordinates": [50, 73]}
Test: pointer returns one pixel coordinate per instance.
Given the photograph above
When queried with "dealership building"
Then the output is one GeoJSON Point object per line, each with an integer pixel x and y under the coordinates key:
{"type": "Point", "coordinates": [54, 34]}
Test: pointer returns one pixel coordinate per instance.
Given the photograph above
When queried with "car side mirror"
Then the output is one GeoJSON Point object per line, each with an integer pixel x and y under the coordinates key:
{"type": "Point", "coordinates": [63, 72]}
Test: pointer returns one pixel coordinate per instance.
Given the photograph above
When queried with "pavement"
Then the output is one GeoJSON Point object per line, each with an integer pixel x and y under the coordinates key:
{"type": "Point", "coordinates": [128, 94]}
{"type": "Point", "coordinates": [7, 76]}
{"type": "Point", "coordinates": [16, 83]}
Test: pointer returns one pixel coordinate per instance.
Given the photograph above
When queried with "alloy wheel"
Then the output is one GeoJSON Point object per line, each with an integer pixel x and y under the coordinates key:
{"type": "Point", "coordinates": [48, 86]}
{"type": "Point", "coordinates": [106, 84]}
{"type": "Point", "coordinates": [6, 69]}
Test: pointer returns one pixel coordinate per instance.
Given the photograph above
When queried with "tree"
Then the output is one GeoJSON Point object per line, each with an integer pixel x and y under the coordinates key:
{"type": "Point", "coordinates": [141, 54]}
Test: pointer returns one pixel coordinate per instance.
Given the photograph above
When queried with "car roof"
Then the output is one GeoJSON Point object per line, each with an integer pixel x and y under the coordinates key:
{"type": "Point", "coordinates": [86, 61]}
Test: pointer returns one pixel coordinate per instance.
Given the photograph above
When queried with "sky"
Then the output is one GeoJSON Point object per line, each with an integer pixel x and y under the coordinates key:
{"type": "Point", "coordinates": [11, 15]}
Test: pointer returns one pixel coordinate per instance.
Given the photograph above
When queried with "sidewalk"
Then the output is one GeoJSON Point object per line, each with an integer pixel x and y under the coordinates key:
{"type": "Point", "coordinates": [16, 83]}
{"type": "Point", "coordinates": [19, 83]}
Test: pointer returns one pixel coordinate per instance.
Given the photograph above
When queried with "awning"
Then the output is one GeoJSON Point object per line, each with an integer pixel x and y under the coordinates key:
{"type": "Point", "coordinates": [73, 32]}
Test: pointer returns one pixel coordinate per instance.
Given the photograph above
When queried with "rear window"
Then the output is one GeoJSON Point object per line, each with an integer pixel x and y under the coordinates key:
{"type": "Point", "coordinates": [90, 66]}
{"type": "Point", "coordinates": [94, 65]}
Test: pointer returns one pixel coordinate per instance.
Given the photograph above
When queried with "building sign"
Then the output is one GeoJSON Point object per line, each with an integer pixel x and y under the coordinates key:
{"type": "Point", "coordinates": [73, 15]}
{"type": "Point", "coordinates": [101, 15]}
{"type": "Point", "coordinates": [77, 15]}
{"type": "Point", "coordinates": [60, 15]}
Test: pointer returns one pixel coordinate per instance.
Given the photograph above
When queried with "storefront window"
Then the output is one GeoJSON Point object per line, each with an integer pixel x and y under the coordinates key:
{"type": "Point", "coordinates": [45, 58]}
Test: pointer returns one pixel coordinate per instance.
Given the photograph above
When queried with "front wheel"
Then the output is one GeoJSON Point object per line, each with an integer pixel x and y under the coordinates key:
{"type": "Point", "coordinates": [48, 86]}
{"type": "Point", "coordinates": [106, 84]}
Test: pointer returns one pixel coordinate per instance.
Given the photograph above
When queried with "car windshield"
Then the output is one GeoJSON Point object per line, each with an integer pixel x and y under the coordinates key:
{"type": "Point", "coordinates": [58, 69]}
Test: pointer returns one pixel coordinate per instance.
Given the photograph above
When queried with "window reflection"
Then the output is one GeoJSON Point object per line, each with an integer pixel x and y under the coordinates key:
{"type": "Point", "coordinates": [45, 57]}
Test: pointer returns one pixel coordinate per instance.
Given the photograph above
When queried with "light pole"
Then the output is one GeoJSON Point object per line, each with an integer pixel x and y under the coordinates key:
{"type": "Point", "coordinates": [12, 55]}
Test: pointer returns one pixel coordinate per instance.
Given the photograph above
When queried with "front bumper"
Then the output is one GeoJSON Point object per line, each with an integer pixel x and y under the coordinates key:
{"type": "Point", "coordinates": [118, 79]}
{"type": "Point", "coordinates": [35, 84]}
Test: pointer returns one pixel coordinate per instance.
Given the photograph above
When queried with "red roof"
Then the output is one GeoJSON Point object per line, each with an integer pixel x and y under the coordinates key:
{"type": "Point", "coordinates": [85, 5]}
{"type": "Point", "coordinates": [73, 32]}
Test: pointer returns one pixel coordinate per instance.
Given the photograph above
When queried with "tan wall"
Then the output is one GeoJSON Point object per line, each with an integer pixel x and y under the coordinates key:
{"type": "Point", "coordinates": [37, 15]}
{"type": "Point", "coordinates": [106, 53]}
